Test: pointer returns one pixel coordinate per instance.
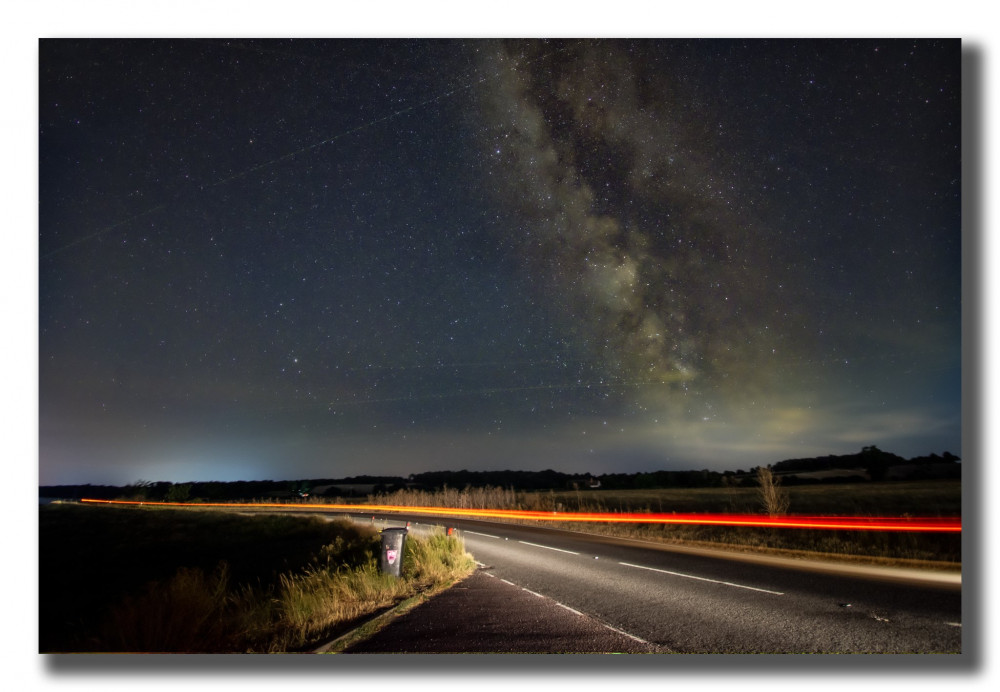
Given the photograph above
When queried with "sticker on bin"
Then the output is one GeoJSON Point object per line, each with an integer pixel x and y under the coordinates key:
{"type": "Point", "coordinates": [390, 555]}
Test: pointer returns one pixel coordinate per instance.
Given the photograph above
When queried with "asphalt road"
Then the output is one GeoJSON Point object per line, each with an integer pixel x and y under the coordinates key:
{"type": "Point", "coordinates": [704, 603]}
{"type": "Point", "coordinates": [486, 614]}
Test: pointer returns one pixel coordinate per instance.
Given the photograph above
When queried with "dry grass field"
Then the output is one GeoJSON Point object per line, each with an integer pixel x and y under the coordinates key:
{"type": "Point", "coordinates": [180, 580]}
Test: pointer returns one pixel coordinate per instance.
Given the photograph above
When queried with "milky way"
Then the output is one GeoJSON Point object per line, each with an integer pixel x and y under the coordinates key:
{"type": "Point", "coordinates": [631, 212]}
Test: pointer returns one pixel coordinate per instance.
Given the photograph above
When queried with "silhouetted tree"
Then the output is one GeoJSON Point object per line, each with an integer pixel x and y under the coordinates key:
{"type": "Point", "coordinates": [876, 462]}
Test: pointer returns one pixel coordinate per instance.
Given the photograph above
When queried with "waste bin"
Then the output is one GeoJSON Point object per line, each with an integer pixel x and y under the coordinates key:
{"type": "Point", "coordinates": [393, 546]}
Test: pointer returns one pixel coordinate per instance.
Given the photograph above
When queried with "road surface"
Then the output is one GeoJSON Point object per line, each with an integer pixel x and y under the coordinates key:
{"type": "Point", "coordinates": [709, 603]}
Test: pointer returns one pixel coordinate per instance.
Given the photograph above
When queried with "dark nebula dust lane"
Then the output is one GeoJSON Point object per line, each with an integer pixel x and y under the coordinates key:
{"type": "Point", "coordinates": [621, 203]}
{"type": "Point", "coordinates": [319, 258]}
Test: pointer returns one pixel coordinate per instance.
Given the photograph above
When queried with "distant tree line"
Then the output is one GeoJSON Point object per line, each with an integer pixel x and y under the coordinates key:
{"type": "Point", "coordinates": [520, 480]}
{"type": "Point", "coordinates": [875, 463]}
{"type": "Point", "coordinates": [870, 464]}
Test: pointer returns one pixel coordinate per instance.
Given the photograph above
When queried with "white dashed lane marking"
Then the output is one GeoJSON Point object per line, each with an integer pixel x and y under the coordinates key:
{"type": "Point", "coordinates": [547, 547]}
{"type": "Point", "coordinates": [485, 535]}
{"type": "Point", "coordinates": [714, 581]}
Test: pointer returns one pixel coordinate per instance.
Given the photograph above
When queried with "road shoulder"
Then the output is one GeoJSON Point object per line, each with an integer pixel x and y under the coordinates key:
{"type": "Point", "coordinates": [485, 614]}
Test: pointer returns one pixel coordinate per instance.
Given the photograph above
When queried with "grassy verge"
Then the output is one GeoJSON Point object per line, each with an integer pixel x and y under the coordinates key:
{"type": "Point", "coordinates": [175, 580]}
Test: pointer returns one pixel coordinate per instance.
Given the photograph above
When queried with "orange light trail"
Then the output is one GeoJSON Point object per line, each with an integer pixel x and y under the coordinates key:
{"type": "Point", "coordinates": [918, 524]}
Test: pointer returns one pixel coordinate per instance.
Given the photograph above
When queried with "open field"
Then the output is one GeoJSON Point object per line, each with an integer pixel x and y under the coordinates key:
{"type": "Point", "coordinates": [143, 579]}
{"type": "Point", "coordinates": [895, 498]}
{"type": "Point", "coordinates": [937, 498]}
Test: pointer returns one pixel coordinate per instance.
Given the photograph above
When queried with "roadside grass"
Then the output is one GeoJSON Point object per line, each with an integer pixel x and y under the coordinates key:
{"type": "Point", "coordinates": [938, 498]}
{"type": "Point", "coordinates": [134, 579]}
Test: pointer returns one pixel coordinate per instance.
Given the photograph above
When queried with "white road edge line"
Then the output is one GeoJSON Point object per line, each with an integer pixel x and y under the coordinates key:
{"type": "Point", "coordinates": [476, 533]}
{"type": "Point", "coordinates": [626, 634]}
{"type": "Point", "coordinates": [536, 545]}
{"type": "Point", "coordinates": [954, 624]}
{"type": "Point", "coordinates": [714, 581]}
{"type": "Point", "coordinates": [575, 612]}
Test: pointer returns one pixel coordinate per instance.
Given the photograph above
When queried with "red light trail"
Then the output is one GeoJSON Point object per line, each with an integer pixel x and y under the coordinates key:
{"type": "Point", "coordinates": [917, 524]}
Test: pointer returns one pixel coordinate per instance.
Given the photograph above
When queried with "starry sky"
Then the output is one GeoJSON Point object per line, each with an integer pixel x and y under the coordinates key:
{"type": "Point", "coordinates": [284, 259]}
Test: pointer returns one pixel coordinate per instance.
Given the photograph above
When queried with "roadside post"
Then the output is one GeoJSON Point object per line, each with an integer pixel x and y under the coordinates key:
{"type": "Point", "coordinates": [393, 547]}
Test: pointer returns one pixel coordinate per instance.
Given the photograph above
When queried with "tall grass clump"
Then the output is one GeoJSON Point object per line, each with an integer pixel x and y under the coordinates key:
{"type": "Point", "coordinates": [773, 498]}
{"type": "Point", "coordinates": [312, 603]}
{"type": "Point", "coordinates": [467, 498]}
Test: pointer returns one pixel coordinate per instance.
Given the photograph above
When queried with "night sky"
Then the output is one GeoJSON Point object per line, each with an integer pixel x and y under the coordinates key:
{"type": "Point", "coordinates": [289, 259]}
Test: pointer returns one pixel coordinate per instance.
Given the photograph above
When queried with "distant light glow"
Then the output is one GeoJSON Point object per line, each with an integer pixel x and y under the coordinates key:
{"type": "Point", "coordinates": [913, 524]}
